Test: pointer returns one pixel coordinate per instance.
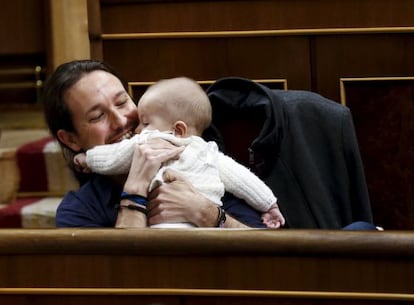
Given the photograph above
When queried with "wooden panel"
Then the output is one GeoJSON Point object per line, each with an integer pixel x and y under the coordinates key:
{"type": "Point", "coordinates": [22, 27]}
{"type": "Point", "coordinates": [21, 85]}
{"type": "Point", "coordinates": [69, 31]}
{"type": "Point", "coordinates": [94, 28]}
{"type": "Point", "coordinates": [200, 265]}
{"type": "Point", "coordinates": [137, 89]}
{"type": "Point", "coordinates": [201, 15]}
{"type": "Point", "coordinates": [336, 57]}
{"type": "Point", "coordinates": [383, 111]}
{"type": "Point", "coordinates": [22, 46]}
{"type": "Point", "coordinates": [201, 59]}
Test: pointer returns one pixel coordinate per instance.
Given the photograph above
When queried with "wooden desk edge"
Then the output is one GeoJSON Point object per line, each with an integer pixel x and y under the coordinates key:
{"type": "Point", "coordinates": [145, 241]}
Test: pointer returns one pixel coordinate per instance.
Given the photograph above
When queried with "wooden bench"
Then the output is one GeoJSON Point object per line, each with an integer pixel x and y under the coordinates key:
{"type": "Point", "coordinates": [205, 266]}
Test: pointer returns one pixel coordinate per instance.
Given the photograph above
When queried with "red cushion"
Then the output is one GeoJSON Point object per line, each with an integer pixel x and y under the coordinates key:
{"type": "Point", "coordinates": [10, 215]}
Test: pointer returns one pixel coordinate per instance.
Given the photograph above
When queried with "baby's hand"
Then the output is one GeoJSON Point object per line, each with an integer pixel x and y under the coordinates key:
{"type": "Point", "coordinates": [80, 163]}
{"type": "Point", "coordinates": [273, 218]}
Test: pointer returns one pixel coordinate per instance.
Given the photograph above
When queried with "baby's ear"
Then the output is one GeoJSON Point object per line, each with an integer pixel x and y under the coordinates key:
{"type": "Point", "coordinates": [180, 129]}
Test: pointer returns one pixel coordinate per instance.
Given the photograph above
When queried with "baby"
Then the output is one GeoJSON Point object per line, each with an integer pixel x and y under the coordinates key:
{"type": "Point", "coordinates": [178, 110]}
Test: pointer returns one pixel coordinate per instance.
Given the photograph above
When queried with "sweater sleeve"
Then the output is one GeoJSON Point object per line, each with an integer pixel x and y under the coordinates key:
{"type": "Point", "coordinates": [112, 159]}
{"type": "Point", "coordinates": [244, 184]}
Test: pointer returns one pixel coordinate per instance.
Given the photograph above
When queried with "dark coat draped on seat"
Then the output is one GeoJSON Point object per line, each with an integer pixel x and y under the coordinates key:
{"type": "Point", "coordinates": [304, 147]}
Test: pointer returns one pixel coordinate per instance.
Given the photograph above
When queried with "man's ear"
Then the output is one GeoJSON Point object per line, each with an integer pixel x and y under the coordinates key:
{"type": "Point", "coordinates": [180, 129]}
{"type": "Point", "coordinates": [69, 139]}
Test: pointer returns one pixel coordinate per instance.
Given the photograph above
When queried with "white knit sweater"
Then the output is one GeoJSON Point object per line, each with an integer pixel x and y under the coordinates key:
{"type": "Point", "coordinates": [210, 171]}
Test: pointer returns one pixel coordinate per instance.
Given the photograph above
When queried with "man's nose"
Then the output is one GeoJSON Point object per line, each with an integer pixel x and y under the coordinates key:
{"type": "Point", "coordinates": [117, 119]}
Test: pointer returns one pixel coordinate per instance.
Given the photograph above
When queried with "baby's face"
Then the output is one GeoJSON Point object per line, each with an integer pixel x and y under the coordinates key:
{"type": "Point", "coordinates": [152, 117]}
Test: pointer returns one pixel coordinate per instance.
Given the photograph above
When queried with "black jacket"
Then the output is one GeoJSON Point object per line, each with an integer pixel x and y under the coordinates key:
{"type": "Point", "coordinates": [306, 151]}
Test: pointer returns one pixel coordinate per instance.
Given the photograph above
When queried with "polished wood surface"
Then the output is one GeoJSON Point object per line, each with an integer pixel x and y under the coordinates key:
{"type": "Point", "coordinates": [383, 110]}
{"type": "Point", "coordinates": [202, 15]}
{"type": "Point", "coordinates": [22, 27]}
{"type": "Point", "coordinates": [312, 45]}
{"type": "Point", "coordinates": [194, 266]}
{"type": "Point", "coordinates": [69, 33]}
{"type": "Point", "coordinates": [22, 49]}
{"type": "Point", "coordinates": [146, 241]}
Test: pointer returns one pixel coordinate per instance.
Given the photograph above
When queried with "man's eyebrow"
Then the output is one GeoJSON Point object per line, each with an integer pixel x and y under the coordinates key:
{"type": "Point", "coordinates": [119, 93]}
{"type": "Point", "coordinates": [93, 108]}
{"type": "Point", "coordinates": [98, 105]}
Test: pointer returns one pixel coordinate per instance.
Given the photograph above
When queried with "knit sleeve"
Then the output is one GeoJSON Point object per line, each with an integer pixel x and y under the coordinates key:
{"type": "Point", "coordinates": [112, 159]}
{"type": "Point", "coordinates": [244, 184]}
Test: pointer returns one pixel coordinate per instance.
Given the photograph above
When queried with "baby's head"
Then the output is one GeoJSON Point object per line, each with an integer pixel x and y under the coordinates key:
{"type": "Point", "coordinates": [177, 104]}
